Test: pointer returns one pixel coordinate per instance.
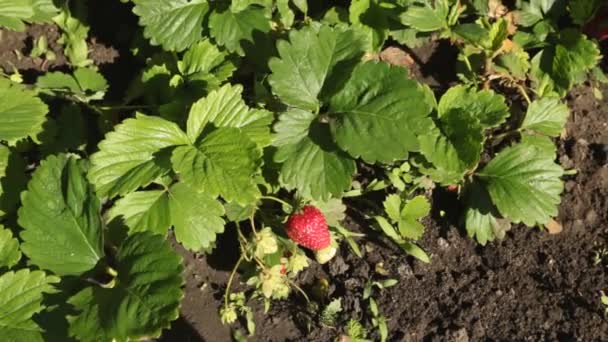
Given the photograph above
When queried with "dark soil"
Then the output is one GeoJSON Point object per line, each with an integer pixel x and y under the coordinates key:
{"type": "Point", "coordinates": [16, 47]}
{"type": "Point", "coordinates": [530, 286]}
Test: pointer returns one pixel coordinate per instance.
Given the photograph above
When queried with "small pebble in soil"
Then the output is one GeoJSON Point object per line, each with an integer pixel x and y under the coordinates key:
{"type": "Point", "coordinates": [443, 243]}
{"type": "Point", "coordinates": [405, 271]}
{"type": "Point", "coordinates": [570, 185]}
{"type": "Point", "coordinates": [591, 217]}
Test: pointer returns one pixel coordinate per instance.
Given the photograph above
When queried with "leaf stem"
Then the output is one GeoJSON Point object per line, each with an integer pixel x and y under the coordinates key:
{"type": "Point", "coordinates": [124, 107]}
{"type": "Point", "coordinates": [227, 292]}
{"type": "Point", "coordinates": [299, 289]}
{"type": "Point", "coordinates": [252, 222]}
{"type": "Point", "coordinates": [111, 271]}
{"type": "Point", "coordinates": [276, 199]}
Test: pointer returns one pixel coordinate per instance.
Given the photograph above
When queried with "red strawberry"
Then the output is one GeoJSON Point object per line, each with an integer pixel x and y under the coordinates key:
{"type": "Point", "coordinates": [308, 228]}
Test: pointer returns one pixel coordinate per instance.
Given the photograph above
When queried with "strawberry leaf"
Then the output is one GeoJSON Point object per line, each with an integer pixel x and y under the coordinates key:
{"type": "Point", "coordinates": [225, 108]}
{"type": "Point", "coordinates": [145, 297]}
{"type": "Point", "coordinates": [426, 18]}
{"type": "Point", "coordinates": [233, 29]}
{"type": "Point", "coordinates": [222, 163]}
{"type": "Point", "coordinates": [174, 24]}
{"type": "Point", "coordinates": [142, 211]}
{"type": "Point", "coordinates": [524, 184]}
{"type": "Point", "coordinates": [203, 61]}
{"type": "Point", "coordinates": [14, 12]}
{"type": "Point", "coordinates": [312, 63]}
{"type": "Point", "coordinates": [60, 217]}
{"type": "Point", "coordinates": [22, 113]}
{"type": "Point", "coordinates": [481, 220]}
{"type": "Point", "coordinates": [133, 155]}
{"type": "Point", "coordinates": [546, 116]}
{"type": "Point", "coordinates": [312, 163]}
{"type": "Point", "coordinates": [378, 113]}
{"type": "Point", "coordinates": [86, 84]}
{"type": "Point", "coordinates": [485, 105]}
{"type": "Point", "coordinates": [414, 210]}
{"type": "Point", "coordinates": [12, 179]}
{"type": "Point", "coordinates": [196, 217]}
{"type": "Point", "coordinates": [563, 64]}
{"type": "Point", "coordinates": [20, 298]}
{"type": "Point", "coordinates": [453, 149]}
{"type": "Point", "coordinates": [9, 248]}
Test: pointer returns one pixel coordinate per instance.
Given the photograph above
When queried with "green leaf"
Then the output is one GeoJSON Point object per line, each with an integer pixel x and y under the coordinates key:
{"type": "Point", "coordinates": [142, 211]}
{"type": "Point", "coordinates": [372, 20]}
{"type": "Point", "coordinates": [524, 184]}
{"type": "Point", "coordinates": [582, 11]}
{"type": "Point", "coordinates": [14, 12]}
{"type": "Point", "coordinates": [86, 83]}
{"type": "Point", "coordinates": [44, 11]}
{"type": "Point", "coordinates": [426, 18]}
{"type": "Point", "coordinates": [312, 163]}
{"type": "Point", "coordinates": [546, 116]}
{"type": "Point", "coordinates": [203, 61]}
{"type": "Point", "coordinates": [311, 62]}
{"type": "Point", "coordinates": [20, 298]}
{"type": "Point", "coordinates": [333, 210]}
{"type": "Point", "coordinates": [9, 248]}
{"type": "Point", "coordinates": [196, 217]}
{"type": "Point", "coordinates": [515, 63]}
{"type": "Point", "coordinates": [174, 24]}
{"type": "Point", "coordinates": [392, 207]}
{"type": "Point", "coordinates": [234, 29]}
{"type": "Point", "coordinates": [415, 251]}
{"type": "Point", "coordinates": [407, 246]}
{"type": "Point", "coordinates": [565, 63]}
{"type": "Point", "coordinates": [68, 132]}
{"type": "Point", "coordinates": [379, 113]}
{"type": "Point", "coordinates": [454, 148]}
{"type": "Point", "coordinates": [62, 229]}
{"type": "Point", "coordinates": [131, 155]}
{"type": "Point", "coordinates": [145, 297]}
{"type": "Point", "coordinates": [75, 34]}
{"type": "Point", "coordinates": [222, 163]}
{"type": "Point", "coordinates": [541, 142]}
{"type": "Point", "coordinates": [226, 108]}
{"type": "Point", "coordinates": [485, 105]}
{"type": "Point", "coordinates": [481, 219]}
{"type": "Point", "coordinates": [414, 210]}
{"type": "Point", "coordinates": [22, 113]}
{"type": "Point", "coordinates": [12, 179]}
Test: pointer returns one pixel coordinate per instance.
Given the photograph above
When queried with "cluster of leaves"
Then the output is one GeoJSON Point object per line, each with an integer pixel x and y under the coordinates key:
{"type": "Point", "coordinates": [244, 102]}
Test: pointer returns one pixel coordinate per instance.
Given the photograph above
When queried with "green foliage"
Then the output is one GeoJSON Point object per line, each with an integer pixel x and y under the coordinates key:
{"type": "Point", "coordinates": [16, 13]}
{"type": "Point", "coordinates": [234, 106]}
{"type": "Point", "coordinates": [524, 183]}
{"type": "Point", "coordinates": [175, 25]}
{"type": "Point", "coordinates": [85, 84]}
{"type": "Point", "coordinates": [406, 216]}
{"type": "Point", "coordinates": [12, 179]}
{"type": "Point", "coordinates": [60, 216]}
{"type": "Point", "coordinates": [134, 154]}
{"type": "Point", "coordinates": [141, 301]}
{"type": "Point", "coordinates": [9, 248]}
{"type": "Point", "coordinates": [22, 113]}
{"type": "Point", "coordinates": [20, 298]}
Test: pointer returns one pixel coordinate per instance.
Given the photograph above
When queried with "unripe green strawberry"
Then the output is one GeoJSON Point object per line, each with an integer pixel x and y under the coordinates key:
{"type": "Point", "coordinates": [308, 228]}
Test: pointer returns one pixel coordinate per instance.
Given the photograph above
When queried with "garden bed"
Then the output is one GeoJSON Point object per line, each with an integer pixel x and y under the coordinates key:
{"type": "Point", "coordinates": [535, 283]}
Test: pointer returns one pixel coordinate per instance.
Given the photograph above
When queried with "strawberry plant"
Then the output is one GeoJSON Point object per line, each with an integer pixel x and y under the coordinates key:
{"type": "Point", "coordinates": [270, 122]}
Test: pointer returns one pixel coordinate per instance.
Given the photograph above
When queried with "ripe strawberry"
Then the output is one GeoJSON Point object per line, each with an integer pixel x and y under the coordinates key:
{"type": "Point", "coordinates": [308, 228]}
